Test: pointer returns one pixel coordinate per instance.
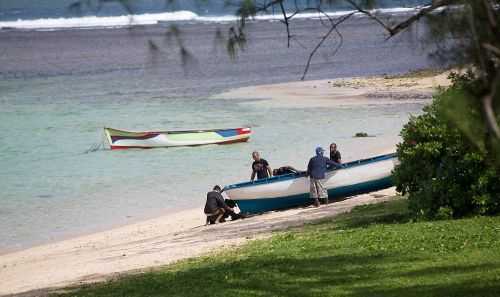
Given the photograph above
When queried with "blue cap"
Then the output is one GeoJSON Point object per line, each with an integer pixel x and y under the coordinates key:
{"type": "Point", "coordinates": [319, 150]}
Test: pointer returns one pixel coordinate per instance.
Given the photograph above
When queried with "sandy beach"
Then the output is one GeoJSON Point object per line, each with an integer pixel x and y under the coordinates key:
{"type": "Point", "coordinates": [163, 240]}
{"type": "Point", "coordinates": [138, 247]}
{"type": "Point", "coordinates": [345, 92]}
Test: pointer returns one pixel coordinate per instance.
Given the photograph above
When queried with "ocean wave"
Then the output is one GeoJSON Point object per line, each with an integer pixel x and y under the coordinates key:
{"type": "Point", "coordinates": [100, 21]}
{"type": "Point", "coordinates": [156, 18]}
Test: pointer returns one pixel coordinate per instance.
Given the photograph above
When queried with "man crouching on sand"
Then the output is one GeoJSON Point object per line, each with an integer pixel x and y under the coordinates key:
{"type": "Point", "coordinates": [316, 170]}
{"type": "Point", "coordinates": [216, 209]}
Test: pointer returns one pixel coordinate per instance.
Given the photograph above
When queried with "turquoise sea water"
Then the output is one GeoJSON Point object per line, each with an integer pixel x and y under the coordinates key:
{"type": "Point", "coordinates": [59, 89]}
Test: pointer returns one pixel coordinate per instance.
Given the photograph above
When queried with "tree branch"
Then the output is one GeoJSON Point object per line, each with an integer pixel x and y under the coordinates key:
{"type": "Point", "coordinates": [421, 13]}
{"type": "Point", "coordinates": [406, 23]}
{"type": "Point", "coordinates": [333, 28]}
{"type": "Point", "coordinates": [285, 21]}
{"type": "Point", "coordinates": [490, 12]}
{"type": "Point", "coordinates": [369, 14]}
{"type": "Point", "coordinates": [492, 48]}
{"type": "Point", "coordinates": [487, 101]}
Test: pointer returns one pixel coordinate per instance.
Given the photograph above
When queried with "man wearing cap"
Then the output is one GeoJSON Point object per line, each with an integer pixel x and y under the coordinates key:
{"type": "Point", "coordinates": [316, 170]}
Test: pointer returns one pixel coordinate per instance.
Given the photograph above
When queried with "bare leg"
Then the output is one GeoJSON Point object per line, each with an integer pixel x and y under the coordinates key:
{"type": "Point", "coordinates": [217, 220]}
{"type": "Point", "coordinates": [221, 215]}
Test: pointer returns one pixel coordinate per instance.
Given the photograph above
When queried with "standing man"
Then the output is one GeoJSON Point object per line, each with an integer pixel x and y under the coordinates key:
{"type": "Point", "coordinates": [316, 170]}
{"type": "Point", "coordinates": [334, 154]}
{"type": "Point", "coordinates": [260, 167]}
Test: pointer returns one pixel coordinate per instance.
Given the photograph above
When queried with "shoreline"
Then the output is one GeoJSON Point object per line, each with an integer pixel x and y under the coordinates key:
{"type": "Point", "coordinates": [112, 226]}
{"type": "Point", "coordinates": [161, 240]}
{"type": "Point", "coordinates": [143, 246]}
{"type": "Point", "coordinates": [344, 92]}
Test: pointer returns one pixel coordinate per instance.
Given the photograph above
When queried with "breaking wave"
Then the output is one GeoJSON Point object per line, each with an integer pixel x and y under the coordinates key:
{"type": "Point", "coordinates": [154, 18]}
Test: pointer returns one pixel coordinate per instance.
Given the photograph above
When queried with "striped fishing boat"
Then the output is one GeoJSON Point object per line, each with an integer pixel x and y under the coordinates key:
{"type": "Point", "coordinates": [292, 190]}
{"type": "Point", "coordinates": [120, 139]}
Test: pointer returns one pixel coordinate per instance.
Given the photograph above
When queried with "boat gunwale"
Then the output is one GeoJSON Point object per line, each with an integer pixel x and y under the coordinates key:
{"type": "Point", "coordinates": [291, 176]}
{"type": "Point", "coordinates": [178, 131]}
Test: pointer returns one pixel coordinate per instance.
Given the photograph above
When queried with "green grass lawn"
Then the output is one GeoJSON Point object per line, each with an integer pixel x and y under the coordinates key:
{"type": "Point", "coordinates": [373, 251]}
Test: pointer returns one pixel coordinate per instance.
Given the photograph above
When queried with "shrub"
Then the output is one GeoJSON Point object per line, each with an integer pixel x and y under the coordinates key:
{"type": "Point", "coordinates": [361, 134]}
{"type": "Point", "coordinates": [444, 167]}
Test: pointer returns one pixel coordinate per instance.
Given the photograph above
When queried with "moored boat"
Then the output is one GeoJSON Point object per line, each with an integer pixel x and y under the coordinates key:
{"type": "Point", "coordinates": [292, 190]}
{"type": "Point", "coordinates": [121, 139]}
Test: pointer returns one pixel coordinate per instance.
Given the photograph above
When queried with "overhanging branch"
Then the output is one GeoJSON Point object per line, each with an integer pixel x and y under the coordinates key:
{"type": "Point", "coordinates": [394, 30]}
{"type": "Point", "coordinates": [487, 101]}
{"type": "Point", "coordinates": [332, 29]}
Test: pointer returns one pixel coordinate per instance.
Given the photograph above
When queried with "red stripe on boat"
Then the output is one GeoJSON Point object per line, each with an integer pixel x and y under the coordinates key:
{"type": "Point", "coordinates": [244, 131]}
{"type": "Point", "coordinates": [234, 141]}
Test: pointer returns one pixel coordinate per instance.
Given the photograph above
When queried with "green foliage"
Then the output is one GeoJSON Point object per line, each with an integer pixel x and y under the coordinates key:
{"type": "Point", "coordinates": [246, 9]}
{"type": "Point", "coordinates": [372, 251]}
{"type": "Point", "coordinates": [444, 165]}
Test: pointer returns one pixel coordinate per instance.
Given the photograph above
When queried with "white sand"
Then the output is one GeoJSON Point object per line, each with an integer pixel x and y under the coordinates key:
{"type": "Point", "coordinates": [341, 92]}
{"type": "Point", "coordinates": [167, 239]}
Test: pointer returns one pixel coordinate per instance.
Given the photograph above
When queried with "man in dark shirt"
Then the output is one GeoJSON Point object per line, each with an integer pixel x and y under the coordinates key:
{"type": "Point", "coordinates": [316, 170]}
{"type": "Point", "coordinates": [216, 208]}
{"type": "Point", "coordinates": [260, 167]}
{"type": "Point", "coordinates": [335, 154]}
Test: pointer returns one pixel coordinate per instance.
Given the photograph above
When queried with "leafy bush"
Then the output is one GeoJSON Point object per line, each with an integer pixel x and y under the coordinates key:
{"type": "Point", "coordinates": [361, 134]}
{"type": "Point", "coordinates": [444, 166]}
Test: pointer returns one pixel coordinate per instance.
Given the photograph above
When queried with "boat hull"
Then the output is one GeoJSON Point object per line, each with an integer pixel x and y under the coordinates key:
{"type": "Point", "coordinates": [121, 139]}
{"type": "Point", "coordinates": [293, 190]}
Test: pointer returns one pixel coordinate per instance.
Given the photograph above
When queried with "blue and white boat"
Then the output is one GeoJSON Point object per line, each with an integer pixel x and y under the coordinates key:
{"type": "Point", "coordinates": [291, 190]}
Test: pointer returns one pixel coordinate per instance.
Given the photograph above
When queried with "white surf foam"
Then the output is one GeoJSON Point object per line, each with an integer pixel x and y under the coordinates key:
{"type": "Point", "coordinates": [155, 18]}
{"type": "Point", "coordinates": [100, 21]}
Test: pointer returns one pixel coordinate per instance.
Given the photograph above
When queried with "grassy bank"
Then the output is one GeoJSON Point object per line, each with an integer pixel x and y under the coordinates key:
{"type": "Point", "coordinates": [373, 251]}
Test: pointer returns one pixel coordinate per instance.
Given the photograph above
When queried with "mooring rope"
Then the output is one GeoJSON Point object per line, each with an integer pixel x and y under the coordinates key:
{"type": "Point", "coordinates": [97, 146]}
